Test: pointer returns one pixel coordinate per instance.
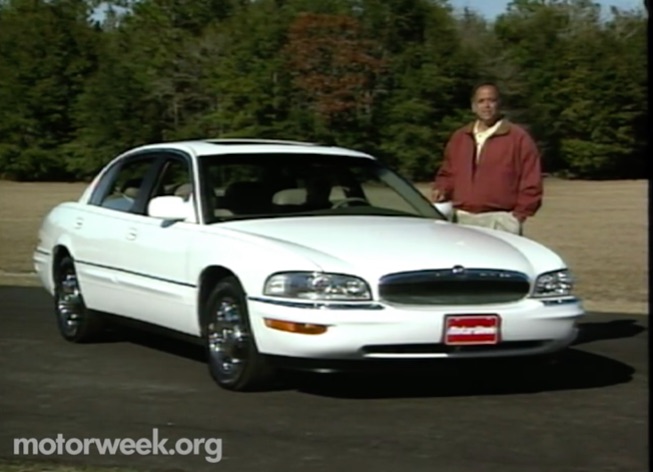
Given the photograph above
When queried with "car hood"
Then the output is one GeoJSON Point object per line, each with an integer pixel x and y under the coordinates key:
{"type": "Point", "coordinates": [374, 246]}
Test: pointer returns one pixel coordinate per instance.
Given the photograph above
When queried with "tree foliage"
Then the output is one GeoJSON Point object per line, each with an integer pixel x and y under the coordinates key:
{"type": "Point", "coordinates": [390, 77]}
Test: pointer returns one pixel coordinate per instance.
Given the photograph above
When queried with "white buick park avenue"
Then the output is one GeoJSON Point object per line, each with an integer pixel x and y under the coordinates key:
{"type": "Point", "coordinates": [280, 254]}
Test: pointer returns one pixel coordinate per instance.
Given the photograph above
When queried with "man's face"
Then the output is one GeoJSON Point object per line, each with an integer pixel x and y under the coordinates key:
{"type": "Point", "coordinates": [486, 104]}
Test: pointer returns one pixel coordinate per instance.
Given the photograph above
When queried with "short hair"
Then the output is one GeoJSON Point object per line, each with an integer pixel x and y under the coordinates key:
{"type": "Point", "coordinates": [480, 85]}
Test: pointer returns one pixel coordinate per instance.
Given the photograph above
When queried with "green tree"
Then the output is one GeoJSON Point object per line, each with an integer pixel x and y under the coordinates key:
{"type": "Point", "coordinates": [47, 49]}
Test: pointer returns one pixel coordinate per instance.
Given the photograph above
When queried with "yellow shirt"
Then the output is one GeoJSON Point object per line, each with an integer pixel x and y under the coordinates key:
{"type": "Point", "coordinates": [481, 136]}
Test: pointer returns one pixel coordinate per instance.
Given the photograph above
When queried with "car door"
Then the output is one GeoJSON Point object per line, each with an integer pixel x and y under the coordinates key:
{"type": "Point", "coordinates": [101, 226]}
{"type": "Point", "coordinates": [154, 252]}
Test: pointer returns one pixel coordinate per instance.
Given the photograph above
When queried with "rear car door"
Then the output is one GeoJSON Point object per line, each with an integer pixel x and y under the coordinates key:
{"type": "Point", "coordinates": [101, 228]}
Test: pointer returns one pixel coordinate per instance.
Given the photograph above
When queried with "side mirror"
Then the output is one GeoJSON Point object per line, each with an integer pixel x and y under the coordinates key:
{"type": "Point", "coordinates": [446, 208]}
{"type": "Point", "coordinates": [170, 208]}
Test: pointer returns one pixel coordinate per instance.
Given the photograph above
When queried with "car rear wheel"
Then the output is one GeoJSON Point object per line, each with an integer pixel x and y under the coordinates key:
{"type": "Point", "coordinates": [234, 360]}
{"type": "Point", "coordinates": [75, 321]}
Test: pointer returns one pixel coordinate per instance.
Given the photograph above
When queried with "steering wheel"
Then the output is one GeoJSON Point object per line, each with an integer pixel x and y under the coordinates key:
{"type": "Point", "coordinates": [349, 200]}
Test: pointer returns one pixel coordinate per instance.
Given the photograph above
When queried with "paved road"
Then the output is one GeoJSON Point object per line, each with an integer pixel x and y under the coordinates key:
{"type": "Point", "coordinates": [592, 417]}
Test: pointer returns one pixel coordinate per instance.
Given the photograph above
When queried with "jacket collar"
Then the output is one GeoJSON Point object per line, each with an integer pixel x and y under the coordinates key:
{"type": "Point", "coordinates": [504, 127]}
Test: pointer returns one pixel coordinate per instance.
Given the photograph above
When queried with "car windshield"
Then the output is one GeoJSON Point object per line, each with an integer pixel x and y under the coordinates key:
{"type": "Point", "coordinates": [267, 185]}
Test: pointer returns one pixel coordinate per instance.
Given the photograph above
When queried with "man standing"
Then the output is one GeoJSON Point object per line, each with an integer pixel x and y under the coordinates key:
{"type": "Point", "coordinates": [491, 170]}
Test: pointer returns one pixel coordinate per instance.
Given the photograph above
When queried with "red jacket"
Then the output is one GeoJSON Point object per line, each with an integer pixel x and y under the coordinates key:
{"type": "Point", "coordinates": [508, 175]}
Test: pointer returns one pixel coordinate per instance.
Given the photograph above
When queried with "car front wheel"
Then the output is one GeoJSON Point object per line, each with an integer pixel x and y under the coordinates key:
{"type": "Point", "coordinates": [233, 358]}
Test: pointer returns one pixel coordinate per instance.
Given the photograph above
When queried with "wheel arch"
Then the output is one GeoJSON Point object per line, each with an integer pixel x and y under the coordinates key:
{"type": "Point", "coordinates": [208, 279]}
{"type": "Point", "coordinates": [59, 251]}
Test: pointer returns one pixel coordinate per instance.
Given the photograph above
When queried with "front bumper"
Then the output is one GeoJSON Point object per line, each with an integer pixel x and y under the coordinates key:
{"type": "Point", "coordinates": [392, 333]}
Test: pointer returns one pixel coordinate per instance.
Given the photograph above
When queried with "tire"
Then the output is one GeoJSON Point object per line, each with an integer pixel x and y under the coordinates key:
{"type": "Point", "coordinates": [76, 323]}
{"type": "Point", "coordinates": [233, 358]}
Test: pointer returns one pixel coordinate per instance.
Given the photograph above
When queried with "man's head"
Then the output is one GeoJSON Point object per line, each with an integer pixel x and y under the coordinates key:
{"type": "Point", "coordinates": [486, 102]}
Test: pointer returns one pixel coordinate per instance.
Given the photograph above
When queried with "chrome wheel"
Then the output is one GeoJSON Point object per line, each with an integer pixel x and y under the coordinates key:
{"type": "Point", "coordinates": [69, 304]}
{"type": "Point", "coordinates": [228, 339]}
{"type": "Point", "coordinates": [233, 357]}
{"type": "Point", "coordinates": [75, 321]}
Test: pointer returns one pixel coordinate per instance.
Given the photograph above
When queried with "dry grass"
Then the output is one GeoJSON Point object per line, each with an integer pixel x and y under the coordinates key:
{"type": "Point", "coordinates": [22, 207]}
{"type": "Point", "coordinates": [600, 228]}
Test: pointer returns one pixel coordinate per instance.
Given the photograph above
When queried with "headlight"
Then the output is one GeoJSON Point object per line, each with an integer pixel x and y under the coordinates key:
{"type": "Point", "coordinates": [316, 286]}
{"type": "Point", "coordinates": [559, 283]}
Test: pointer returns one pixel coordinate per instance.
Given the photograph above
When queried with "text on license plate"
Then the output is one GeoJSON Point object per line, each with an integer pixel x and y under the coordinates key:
{"type": "Point", "coordinates": [472, 329]}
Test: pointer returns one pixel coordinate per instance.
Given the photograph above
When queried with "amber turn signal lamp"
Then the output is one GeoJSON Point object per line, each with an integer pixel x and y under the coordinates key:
{"type": "Point", "coordinates": [291, 327]}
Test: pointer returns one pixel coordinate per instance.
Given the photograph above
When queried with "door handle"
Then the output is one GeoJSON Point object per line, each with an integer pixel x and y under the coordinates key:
{"type": "Point", "coordinates": [131, 234]}
{"type": "Point", "coordinates": [78, 223]}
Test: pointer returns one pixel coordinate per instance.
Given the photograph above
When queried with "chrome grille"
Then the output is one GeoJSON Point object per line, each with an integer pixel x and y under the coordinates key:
{"type": "Point", "coordinates": [455, 286]}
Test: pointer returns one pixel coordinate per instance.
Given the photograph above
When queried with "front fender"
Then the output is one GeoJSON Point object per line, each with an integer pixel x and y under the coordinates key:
{"type": "Point", "coordinates": [251, 258]}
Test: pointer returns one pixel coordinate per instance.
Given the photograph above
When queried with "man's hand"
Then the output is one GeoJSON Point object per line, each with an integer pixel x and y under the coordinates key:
{"type": "Point", "coordinates": [437, 196]}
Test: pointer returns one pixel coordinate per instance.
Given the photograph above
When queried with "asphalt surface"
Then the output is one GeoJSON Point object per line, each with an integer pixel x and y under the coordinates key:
{"type": "Point", "coordinates": [591, 416]}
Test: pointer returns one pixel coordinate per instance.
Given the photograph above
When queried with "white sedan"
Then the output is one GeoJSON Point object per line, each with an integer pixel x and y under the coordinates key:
{"type": "Point", "coordinates": [281, 254]}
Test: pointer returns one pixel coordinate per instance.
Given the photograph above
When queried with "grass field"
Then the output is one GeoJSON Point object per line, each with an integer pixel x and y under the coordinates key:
{"type": "Point", "coordinates": [600, 228]}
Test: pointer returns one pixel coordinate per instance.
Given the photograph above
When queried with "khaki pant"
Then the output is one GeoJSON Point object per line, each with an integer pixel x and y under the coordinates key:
{"type": "Point", "coordinates": [501, 220]}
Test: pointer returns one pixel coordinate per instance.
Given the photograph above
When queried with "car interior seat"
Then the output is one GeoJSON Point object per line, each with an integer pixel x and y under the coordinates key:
{"type": "Point", "coordinates": [184, 191]}
{"type": "Point", "coordinates": [131, 187]}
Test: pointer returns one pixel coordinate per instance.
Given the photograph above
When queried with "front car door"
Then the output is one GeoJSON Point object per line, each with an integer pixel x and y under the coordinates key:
{"type": "Point", "coordinates": [154, 252]}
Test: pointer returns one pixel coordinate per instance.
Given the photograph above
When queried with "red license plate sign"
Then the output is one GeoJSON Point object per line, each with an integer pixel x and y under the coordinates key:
{"type": "Point", "coordinates": [472, 329]}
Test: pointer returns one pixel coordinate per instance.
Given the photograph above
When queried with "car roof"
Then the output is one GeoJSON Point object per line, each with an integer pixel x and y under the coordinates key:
{"type": "Point", "coordinates": [210, 147]}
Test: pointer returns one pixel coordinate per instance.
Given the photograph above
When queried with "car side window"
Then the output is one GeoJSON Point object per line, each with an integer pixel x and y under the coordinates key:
{"type": "Point", "coordinates": [126, 186]}
{"type": "Point", "coordinates": [176, 179]}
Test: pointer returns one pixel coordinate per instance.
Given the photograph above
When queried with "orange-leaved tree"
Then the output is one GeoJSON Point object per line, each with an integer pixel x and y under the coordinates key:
{"type": "Point", "coordinates": [333, 65]}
